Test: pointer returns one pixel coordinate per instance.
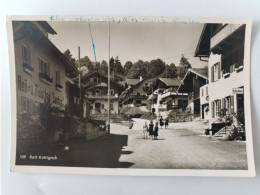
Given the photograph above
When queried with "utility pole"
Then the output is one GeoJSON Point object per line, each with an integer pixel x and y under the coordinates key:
{"type": "Point", "coordinates": [108, 125]}
{"type": "Point", "coordinates": [80, 103]}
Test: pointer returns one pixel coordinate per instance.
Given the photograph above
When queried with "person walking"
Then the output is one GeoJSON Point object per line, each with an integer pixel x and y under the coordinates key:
{"type": "Point", "coordinates": [166, 122]}
{"type": "Point", "coordinates": [145, 130]}
{"type": "Point", "coordinates": [161, 122]}
{"type": "Point", "coordinates": [151, 129]}
{"type": "Point", "coordinates": [156, 129]}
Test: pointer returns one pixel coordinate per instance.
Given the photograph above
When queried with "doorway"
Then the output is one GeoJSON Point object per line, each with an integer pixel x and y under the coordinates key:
{"type": "Point", "coordinates": [240, 108]}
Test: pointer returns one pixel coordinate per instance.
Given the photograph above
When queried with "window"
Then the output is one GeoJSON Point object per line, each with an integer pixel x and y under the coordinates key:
{"type": "Point", "coordinates": [230, 104]}
{"type": "Point", "coordinates": [215, 72]}
{"type": "Point", "coordinates": [138, 101]}
{"type": "Point", "coordinates": [182, 103]}
{"type": "Point", "coordinates": [26, 54]}
{"type": "Point", "coordinates": [207, 93]}
{"type": "Point", "coordinates": [102, 106]}
{"type": "Point", "coordinates": [111, 92]}
{"type": "Point", "coordinates": [138, 93]}
{"type": "Point", "coordinates": [97, 92]}
{"type": "Point", "coordinates": [57, 77]}
{"type": "Point", "coordinates": [96, 80]}
{"type": "Point", "coordinates": [112, 106]}
{"type": "Point", "coordinates": [26, 105]}
{"type": "Point", "coordinates": [217, 107]}
{"type": "Point", "coordinates": [44, 67]}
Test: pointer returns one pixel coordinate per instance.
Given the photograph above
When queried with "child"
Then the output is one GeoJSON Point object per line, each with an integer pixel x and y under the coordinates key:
{"type": "Point", "coordinates": [145, 130]}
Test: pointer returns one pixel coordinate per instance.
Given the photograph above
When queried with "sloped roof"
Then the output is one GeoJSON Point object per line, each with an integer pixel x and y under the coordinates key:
{"type": "Point", "coordinates": [203, 72]}
{"type": "Point", "coordinates": [46, 26]}
{"type": "Point", "coordinates": [132, 81]}
{"type": "Point", "coordinates": [96, 73]}
{"type": "Point", "coordinates": [170, 82]}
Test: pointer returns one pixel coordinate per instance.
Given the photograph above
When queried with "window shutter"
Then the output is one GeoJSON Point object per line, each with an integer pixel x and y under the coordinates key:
{"type": "Point", "coordinates": [218, 70]}
{"type": "Point", "coordinates": [212, 73]}
{"type": "Point", "coordinates": [212, 110]}
{"type": "Point", "coordinates": [232, 104]}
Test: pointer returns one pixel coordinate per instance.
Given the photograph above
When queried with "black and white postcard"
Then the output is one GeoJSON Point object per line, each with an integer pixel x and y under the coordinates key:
{"type": "Point", "coordinates": [152, 96]}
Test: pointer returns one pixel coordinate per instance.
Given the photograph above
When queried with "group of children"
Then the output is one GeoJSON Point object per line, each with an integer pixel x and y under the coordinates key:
{"type": "Point", "coordinates": [152, 129]}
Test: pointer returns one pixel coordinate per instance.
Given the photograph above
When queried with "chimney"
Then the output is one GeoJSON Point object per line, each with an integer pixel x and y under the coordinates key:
{"type": "Point", "coordinates": [141, 78]}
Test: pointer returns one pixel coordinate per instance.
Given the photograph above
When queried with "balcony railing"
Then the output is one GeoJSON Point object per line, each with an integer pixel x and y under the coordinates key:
{"type": "Point", "coordinates": [101, 97]}
{"type": "Point", "coordinates": [223, 33]}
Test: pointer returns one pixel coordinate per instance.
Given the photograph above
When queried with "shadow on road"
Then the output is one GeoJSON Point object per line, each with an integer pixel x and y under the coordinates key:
{"type": "Point", "coordinates": [102, 153]}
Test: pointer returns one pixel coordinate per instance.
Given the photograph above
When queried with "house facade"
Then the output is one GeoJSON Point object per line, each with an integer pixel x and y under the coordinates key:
{"type": "Point", "coordinates": [225, 53]}
{"type": "Point", "coordinates": [166, 96]}
{"type": "Point", "coordinates": [137, 94]}
{"type": "Point", "coordinates": [41, 69]}
{"type": "Point", "coordinates": [95, 89]}
{"type": "Point", "coordinates": [193, 80]}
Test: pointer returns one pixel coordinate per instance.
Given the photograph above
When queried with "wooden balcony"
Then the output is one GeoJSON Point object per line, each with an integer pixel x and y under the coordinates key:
{"type": "Point", "coordinates": [225, 32]}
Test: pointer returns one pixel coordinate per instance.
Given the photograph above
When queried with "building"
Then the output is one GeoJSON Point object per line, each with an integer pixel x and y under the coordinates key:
{"type": "Point", "coordinates": [41, 69]}
{"type": "Point", "coordinates": [166, 96]}
{"type": "Point", "coordinates": [137, 95]}
{"type": "Point", "coordinates": [74, 105]}
{"type": "Point", "coordinates": [95, 90]}
{"type": "Point", "coordinates": [132, 82]}
{"type": "Point", "coordinates": [193, 80]}
{"type": "Point", "coordinates": [223, 46]}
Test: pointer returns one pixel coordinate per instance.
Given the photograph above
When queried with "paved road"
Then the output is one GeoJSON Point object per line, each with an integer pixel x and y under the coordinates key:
{"type": "Point", "coordinates": [181, 146]}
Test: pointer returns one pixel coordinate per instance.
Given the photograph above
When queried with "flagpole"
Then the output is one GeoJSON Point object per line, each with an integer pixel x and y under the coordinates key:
{"type": "Point", "coordinates": [80, 115]}
{"type": "Point", "coordinates": [108, 78]}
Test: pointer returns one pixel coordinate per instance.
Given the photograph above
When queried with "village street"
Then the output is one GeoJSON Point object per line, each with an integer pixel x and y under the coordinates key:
{"type": "Point", "coordinates": [182, 145]}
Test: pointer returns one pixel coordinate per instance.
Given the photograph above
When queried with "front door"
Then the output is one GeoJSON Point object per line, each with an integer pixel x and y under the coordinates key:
{"type": "Point", "coordinates": [240, 108]}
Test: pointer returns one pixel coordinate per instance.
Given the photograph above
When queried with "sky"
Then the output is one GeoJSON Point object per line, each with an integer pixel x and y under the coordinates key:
{"type": "Point", "coordinates": [129, 41]}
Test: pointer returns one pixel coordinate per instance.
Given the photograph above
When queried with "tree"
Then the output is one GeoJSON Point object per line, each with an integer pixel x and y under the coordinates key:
{"type": "Point", "coordinates": [86, 65]}
{"type": "Point", "coordinates": [184, 65]}
{"type": "Point", "coordinates": [116, 69]}
{"type": "Point", "coordinates": [128, 65]}
{"type": "Point", "coordinates": [170, 71]}
{"type": "Point", "coordinates": [103, 68]}
{"type": "Point", "coordinates": [68, 55]}
{"type": "Point", "coordinates": [138, 69]}
{"type": "Point", "coordinates": [155, 68]}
